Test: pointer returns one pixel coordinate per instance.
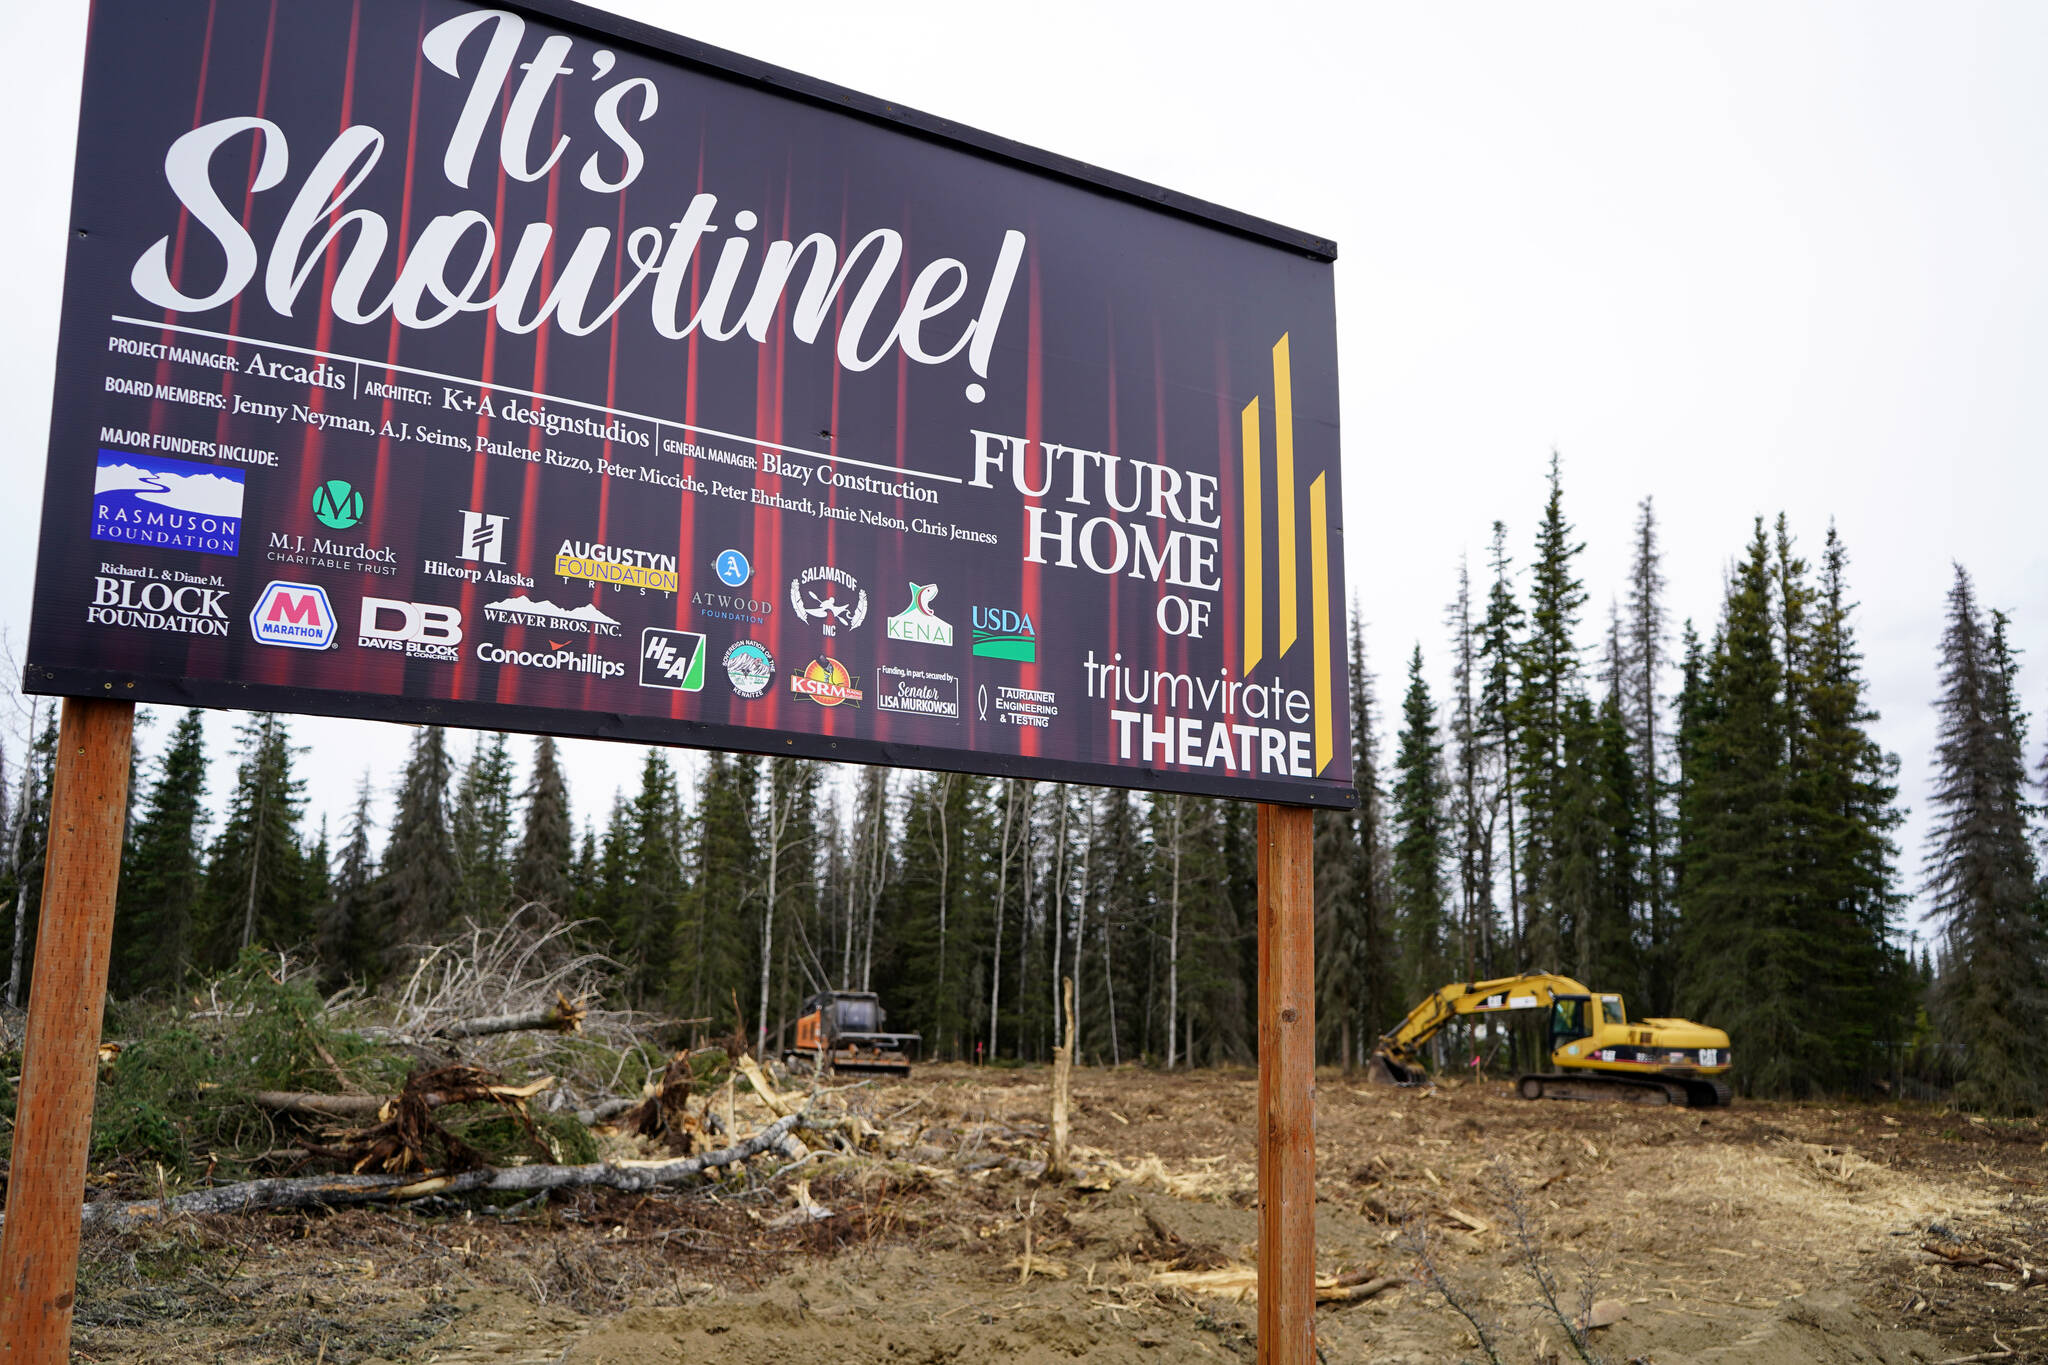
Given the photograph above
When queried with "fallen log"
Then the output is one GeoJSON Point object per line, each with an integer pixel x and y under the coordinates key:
{"type": "Point", "coordinates": [312, 1192]}
{"type": "Point", "coordinates": [312, 1104]}
{"type": "Point", "coordinates": [2030, 1276]}
{"type": "Point", "coordinates": [563, 1016]}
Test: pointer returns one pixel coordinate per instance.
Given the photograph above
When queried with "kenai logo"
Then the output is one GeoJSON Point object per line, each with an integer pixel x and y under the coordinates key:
{"type": "Point", "coordinates": [171, 504]}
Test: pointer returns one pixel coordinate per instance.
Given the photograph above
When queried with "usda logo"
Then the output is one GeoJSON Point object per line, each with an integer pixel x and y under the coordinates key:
{"type": "Point", "coordinates": [337, 504]}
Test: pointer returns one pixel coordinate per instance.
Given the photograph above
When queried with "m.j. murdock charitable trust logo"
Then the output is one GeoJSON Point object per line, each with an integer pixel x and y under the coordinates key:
{"type": "Point", "coordinates": [337, 504]}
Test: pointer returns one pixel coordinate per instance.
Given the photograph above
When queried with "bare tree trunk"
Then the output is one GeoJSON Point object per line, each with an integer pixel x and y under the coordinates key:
{"type": "Point", "coordinates": [1059, 918]}
{"type": "Point", "coordinates": [1024, 920]}
{"type": "Point", "coordinates": [17, 865]}
{"type": "Point", "coordinates": [945, 879]}
{"type": "Point", "coordinates": [1059, 1163]}
{"type": "Point", "coordinates": [995, 971]}
{"type": "Point", "coordinates": [256, 838]}
{"type": "Point", "coordinates": [1116, 1055]}
{"type": "Point", "coordinates": [778, 821]}
{"type": "Point", "coordinates": [1081, 917]}
{"type": "Point", "coordinates": [1173, 946]}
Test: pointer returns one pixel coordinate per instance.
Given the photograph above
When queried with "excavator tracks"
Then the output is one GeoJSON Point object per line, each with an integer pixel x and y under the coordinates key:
{"type": "Point", "coordinates": [1693, 1093]}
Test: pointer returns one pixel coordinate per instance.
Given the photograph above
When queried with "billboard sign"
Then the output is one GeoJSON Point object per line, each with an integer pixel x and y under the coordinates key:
{"type": "Point", "coordinates": [525, 368]}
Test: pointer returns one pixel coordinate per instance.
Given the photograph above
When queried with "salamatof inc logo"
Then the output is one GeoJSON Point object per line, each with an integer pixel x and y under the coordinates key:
{"type": "Point", "coordinates": [337, 504]}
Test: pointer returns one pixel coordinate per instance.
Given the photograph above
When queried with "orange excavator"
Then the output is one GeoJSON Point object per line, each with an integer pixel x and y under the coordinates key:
{"type": "Point", "coordinates": [843, 1031]}
{"type": "Point", "coordinates": [1596, 1051]}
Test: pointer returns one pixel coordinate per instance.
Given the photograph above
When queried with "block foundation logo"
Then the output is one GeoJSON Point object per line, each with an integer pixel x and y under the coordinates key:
{"type": "Point", "coordinates": [672, 658]}
{"type": "Point", "coordinates": [131, 600]}
{"type": "Point", "coordinates": [826, 682]}
{"type": "Point", "coordinates": [294, 615]}
{"type": "Point", "coordinates": [168, 504]}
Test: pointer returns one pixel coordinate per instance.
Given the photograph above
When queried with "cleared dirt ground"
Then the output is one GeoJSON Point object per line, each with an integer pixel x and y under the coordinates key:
{"type": "Point", "coordinates": [1763, 1234]}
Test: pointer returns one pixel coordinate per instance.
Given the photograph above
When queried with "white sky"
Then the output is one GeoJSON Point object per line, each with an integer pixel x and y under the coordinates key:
{"type": "Point", "coordinates": [1742, 257]}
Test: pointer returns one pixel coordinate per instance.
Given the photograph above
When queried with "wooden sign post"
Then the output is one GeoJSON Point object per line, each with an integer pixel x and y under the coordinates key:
{"type": "Point", "coordinates": [1287, 1083]}
{"type": "Point", "coordinates": [60, 1059]}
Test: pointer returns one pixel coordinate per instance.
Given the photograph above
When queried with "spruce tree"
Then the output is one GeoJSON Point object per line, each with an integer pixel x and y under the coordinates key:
{"type": "Point", "coordinates": [1748, 960]}
{"type": "Point", "coordinates": [1500, 647]}
{"type": "Point", "coordinates": [644, 873]}
{"type": "Point", "coordinates": [1549, 679]}
{"type": "Point", "coordinates": [165, 873]}
{"type": "Point", "coordinates": [480, 824]}
{"type": "Point", "coordinates": [1421, 851]}
{"type": "Point", "coordinates": [1991, 999]}
{"type": "Point", "coordinates": [541, 867]}
{"type": "Point", "coordinates": [420, 882]}
{"type": "Point", "coordinates": [721, 937]}
{"type": "Point", "coordinates": [256, 890]}
{"type": "Point", "coordinates": [348, 933]}
{"type": "Point", "coordinates": [1470, 804]}
{"type": "Point", "coordinates": [1644, 664]}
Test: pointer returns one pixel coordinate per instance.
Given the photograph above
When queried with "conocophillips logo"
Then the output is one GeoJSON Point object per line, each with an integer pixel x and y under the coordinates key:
{"type": "Point", "coordinates": [562, 657]}
{"type": "Point", "coordinates": [826, 682]}
{"type": "Point", "coordinates": [918, 622]}
{"type": "Point", "coordinates": [814, 595]}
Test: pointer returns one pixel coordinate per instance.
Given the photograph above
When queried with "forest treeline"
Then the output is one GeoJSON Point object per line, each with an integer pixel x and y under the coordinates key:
{"type": "Point", "coordinates": [1698, 818]}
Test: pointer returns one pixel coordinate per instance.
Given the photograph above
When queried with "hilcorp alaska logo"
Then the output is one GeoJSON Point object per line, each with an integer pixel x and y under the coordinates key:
{"type": "Point", "coordinates": [168, 504]}
{"type": "Point", "coordinates": [482, 544]}
{"type": "Point", "coordinates": [918, 622]}
{"type": "Point", "coordinates": [1000, 633]}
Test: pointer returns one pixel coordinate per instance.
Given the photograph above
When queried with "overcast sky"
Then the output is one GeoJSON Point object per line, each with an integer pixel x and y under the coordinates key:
{"type": "Point", "coordinates": [1740, 257]}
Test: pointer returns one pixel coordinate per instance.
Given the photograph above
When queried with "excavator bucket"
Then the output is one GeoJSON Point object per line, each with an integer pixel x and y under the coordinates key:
{"type": "Point", "coordinates": [1381, 1069]}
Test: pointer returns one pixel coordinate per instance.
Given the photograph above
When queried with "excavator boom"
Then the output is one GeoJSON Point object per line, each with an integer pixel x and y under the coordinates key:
{"type": "Point", "coordinates": [1595, 1051]}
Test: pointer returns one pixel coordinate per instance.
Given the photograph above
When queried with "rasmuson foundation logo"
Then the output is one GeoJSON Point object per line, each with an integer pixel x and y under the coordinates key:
{"type": "Point", "coordinates": [801, 285]}
{"type": "Point", "coordinates": [167, 504]}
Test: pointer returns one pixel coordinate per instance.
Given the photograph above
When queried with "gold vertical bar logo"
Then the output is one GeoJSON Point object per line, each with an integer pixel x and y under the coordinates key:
{"type": "Point", "coordinates": [1283, 453]}
{"type": "Point", "coordinates": [1254, 545]}
{"type": "Point", "coordinates": [1319, 567]}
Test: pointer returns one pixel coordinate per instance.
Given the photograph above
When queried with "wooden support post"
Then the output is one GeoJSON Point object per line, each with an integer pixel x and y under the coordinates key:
{"type": "Point", "coordinates": [60, 1059]}
{"type": "Point", "coordinates": [1287, 1081]}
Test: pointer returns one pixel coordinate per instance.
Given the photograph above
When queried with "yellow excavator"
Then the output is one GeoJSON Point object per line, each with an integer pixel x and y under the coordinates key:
{"type": "Point", "coordinates": [1596, 1052]}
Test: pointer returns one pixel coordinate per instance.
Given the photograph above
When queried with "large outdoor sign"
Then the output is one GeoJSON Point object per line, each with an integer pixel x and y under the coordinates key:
{"type": "Point", "coordinates": [523, 368]}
